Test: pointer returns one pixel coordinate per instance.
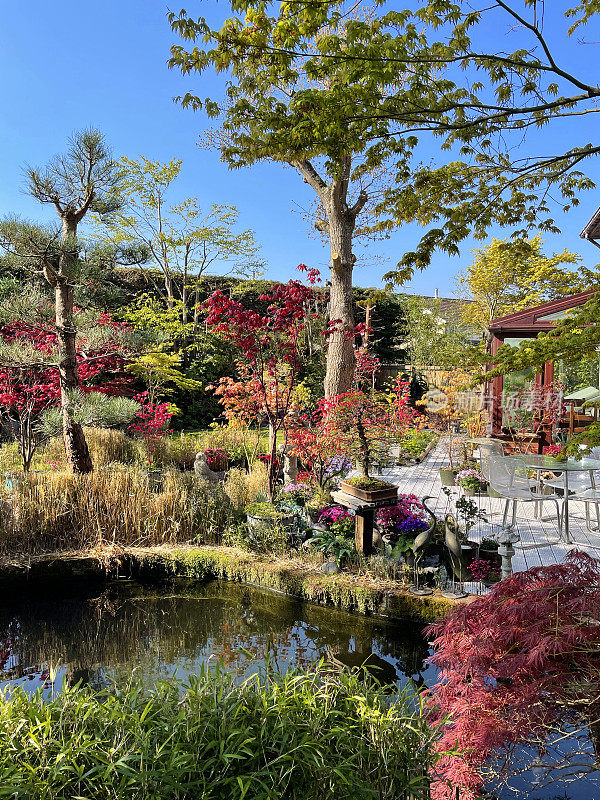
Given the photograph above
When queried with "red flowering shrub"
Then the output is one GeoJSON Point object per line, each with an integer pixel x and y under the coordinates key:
{"type": "Point", "coordinates": [216, 458]}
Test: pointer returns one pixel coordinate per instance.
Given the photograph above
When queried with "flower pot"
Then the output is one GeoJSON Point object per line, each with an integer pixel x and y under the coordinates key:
{"type": "Point", "coordinates": [469, 551]}
{"type": "Point", "coordinates": [468, 491]}
{"type": "Point", "coordinates": [369, 495]}
{"type": "Point", "coordinates": [448, 476]}
{"type": "Point", "coordinates": [550, 460]}
{"type": "Point", "coordinates": [493, 556]}
{"type": "Point", "coordinates": [313, 513]}
{"type": "Point", "coordinates": [285, 521]}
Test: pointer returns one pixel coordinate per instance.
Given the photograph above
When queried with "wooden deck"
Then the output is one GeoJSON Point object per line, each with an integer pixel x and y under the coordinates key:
{"type": "Point", "coordinates": [538, 545]}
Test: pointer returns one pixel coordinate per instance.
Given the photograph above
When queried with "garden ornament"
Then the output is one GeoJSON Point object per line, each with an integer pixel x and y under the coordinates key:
{"type": "Point", "coordinates": [202, 469]}
{"type": "Point", "coordinates": [419, 546]}
{"type": "Point", "coordinates": [290, 468]}
{"type": "Point", "coordinates": [457, 561]}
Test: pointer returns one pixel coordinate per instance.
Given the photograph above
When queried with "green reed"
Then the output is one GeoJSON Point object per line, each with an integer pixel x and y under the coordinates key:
{"type": "Point", "coordinates": [298, 736]}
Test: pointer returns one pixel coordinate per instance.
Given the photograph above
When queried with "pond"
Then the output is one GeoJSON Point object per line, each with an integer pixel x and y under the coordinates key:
{"type": "Point", "coordinates": [108, 631]}
{"type": "Point", "coordinates": [103, 633]}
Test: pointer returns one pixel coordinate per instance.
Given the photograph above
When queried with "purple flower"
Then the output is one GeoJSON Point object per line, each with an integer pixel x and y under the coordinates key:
{"type": "Point", "coordinates": [337, 465]}
{"type": "Point", "coordinates": [412, 525]}
{"type": "Point", "coordinates": [408, 507]}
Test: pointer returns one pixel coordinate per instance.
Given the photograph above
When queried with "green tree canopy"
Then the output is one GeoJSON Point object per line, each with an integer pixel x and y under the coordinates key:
{"type": "Point", "coordinates": [182, 241]}
{"type": "Point", "coordinates": [507, 276]}
{"type": "Point", "coordinates": [306, 87]}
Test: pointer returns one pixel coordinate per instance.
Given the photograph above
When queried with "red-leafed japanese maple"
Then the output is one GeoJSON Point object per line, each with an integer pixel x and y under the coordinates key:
{"type": "Point", "coordinates": [271, 346]}
{"type": "Point", "coordinates": [30, 385]}
{"type": "Point", "coordinates": [363, 423]}
{"type": "Point", "coordinates": [520, 666]}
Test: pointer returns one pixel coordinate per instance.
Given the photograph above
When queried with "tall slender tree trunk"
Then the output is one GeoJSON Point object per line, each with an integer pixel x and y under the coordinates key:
{"type": "Point", "coordinates": [340, 349]}
{"type": "Point", "coordinates": [78, 454]}
{"type": "Point", "coordinates": [339, 225]}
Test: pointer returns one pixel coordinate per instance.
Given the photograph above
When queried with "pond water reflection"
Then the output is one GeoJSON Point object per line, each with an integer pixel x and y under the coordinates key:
{"type": "Point", "coordinates": [107, 632]}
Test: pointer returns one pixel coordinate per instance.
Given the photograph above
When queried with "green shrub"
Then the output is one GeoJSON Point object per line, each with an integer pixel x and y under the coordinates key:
{"type": "Point", "coordinates": [301, 736]}
{"type": "Point", "coordinates": [266, 511]}
{"type": "Point", "coordinates": [268, 536]}
{"type": "Point", "coordinates": [338, 547]}
{"type": "Point", "coordinates": [416, 441]}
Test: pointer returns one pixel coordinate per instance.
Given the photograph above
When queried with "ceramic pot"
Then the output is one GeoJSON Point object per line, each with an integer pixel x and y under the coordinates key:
{"type": "Point", "coordinates": [448, 476]}
{"type": "Point", "coordinates": [285, 521]}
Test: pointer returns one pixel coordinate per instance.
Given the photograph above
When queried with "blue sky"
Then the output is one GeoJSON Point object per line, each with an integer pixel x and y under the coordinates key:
{"type": "Point", "coordinates": [68, 65]}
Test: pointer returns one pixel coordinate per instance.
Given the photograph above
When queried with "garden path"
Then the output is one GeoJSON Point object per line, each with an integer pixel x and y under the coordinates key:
{"type": "Point", "coordinates": [538, 545]}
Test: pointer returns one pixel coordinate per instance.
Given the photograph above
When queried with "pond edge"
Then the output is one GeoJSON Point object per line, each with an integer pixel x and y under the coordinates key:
{"type": "Point", "coordinates": [293, 577]}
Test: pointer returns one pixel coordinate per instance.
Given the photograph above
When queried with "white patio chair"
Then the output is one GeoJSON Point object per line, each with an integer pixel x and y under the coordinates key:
{"type": "Point", "coordinates": [509, 478]}
{"type": "Point", "coordinates": [496, 449]}
{"type": "Point", "coordinates": [491, 448]}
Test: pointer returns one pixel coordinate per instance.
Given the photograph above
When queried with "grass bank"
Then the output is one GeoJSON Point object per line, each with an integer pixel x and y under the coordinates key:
{"type": "Point", "coordinates": [298, 577]}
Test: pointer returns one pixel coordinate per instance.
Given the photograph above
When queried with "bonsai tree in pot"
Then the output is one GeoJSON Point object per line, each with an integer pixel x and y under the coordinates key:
{"type": "Point", "coordinates": [363, 427]}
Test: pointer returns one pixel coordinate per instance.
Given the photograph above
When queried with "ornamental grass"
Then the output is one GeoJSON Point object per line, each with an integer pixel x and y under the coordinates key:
{"type": "Point", "coordinates": [300, 736]}
{"type": "Point", "coordinates": [61, 510]}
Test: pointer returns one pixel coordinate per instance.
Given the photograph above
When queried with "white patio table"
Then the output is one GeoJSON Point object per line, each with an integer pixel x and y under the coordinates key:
{"type": "Point", "coordinates": [539, 463]}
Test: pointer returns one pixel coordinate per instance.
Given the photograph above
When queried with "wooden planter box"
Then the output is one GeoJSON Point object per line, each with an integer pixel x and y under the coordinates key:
{"type": "Point", "coordinates": [369, 495]}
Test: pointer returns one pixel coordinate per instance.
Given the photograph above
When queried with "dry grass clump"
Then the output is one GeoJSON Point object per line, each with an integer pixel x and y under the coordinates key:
{"type": "Point", "coordinates": [243, 488]}
{"type": "Point", "coordinates": [107, 446]}
{"type": "Point", "coordinates": [170, 451]}
{"type": "Point", "coordinates": [61, 510]}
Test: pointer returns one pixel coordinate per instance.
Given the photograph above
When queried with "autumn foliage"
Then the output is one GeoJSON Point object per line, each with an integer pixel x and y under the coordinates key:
{"type": "Point", "coordinates": [519, 666]}
{"type": "Point", "coordinates": [360, 423]}
{"type": "Point", "coordinates": [271, 350]}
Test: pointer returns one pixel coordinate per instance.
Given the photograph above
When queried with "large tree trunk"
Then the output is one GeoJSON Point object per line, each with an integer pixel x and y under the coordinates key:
{"type": "Point", "coordinates": [78, 454]}
{"type": "Point", "coordinates": [340, 350]}
{"type": "Point", "coordinates": [340, 223]}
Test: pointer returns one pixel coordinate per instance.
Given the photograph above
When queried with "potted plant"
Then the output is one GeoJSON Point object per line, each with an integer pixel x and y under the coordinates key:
{"type": "Point", "coordinates": [406, 518]}
{"type": "Point", "coordinates": [467, 515]}
{"type": "Point", "coordinates": [339, 520]}
{"type": "Point", "coordinates": [555, 454]}
{"type": "Point", "coordinates": [485, 571]}
{"type": "Point", "coordinates": [489, 551]}
{"type": "Point", "coordinates": [446, 405]}
{"type": "Point", "coordinates": [267, 514]}
{"type": "Point", "coordinates": [296, 494]}
{"type": "Point", "coordinates": [363, 426]}
{"type": "Point", "coordinates": [369, 489]}
{"type": "Point", "coordinates": [316, 503]}
{"type": "Point", "coordinates": [216, 458]}
{"type": "Point", "coordinates": [471, 481]}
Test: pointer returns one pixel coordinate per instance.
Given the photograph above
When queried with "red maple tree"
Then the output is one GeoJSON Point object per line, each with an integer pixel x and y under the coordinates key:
{"type": "Point", "coordinates": [28, 389]}
{"type": "Point", "coordinates": [519, 666]}
{"type": "Point", "coordinates": [271, 346]}
{"type": "Point", "coordinates": [362, 422]}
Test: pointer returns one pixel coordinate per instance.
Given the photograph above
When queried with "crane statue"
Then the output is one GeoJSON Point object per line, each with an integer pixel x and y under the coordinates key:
{"type": "Point", "coordinates": [419, 546]}
{"type": "Point", "coordinates": [457, 561]}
